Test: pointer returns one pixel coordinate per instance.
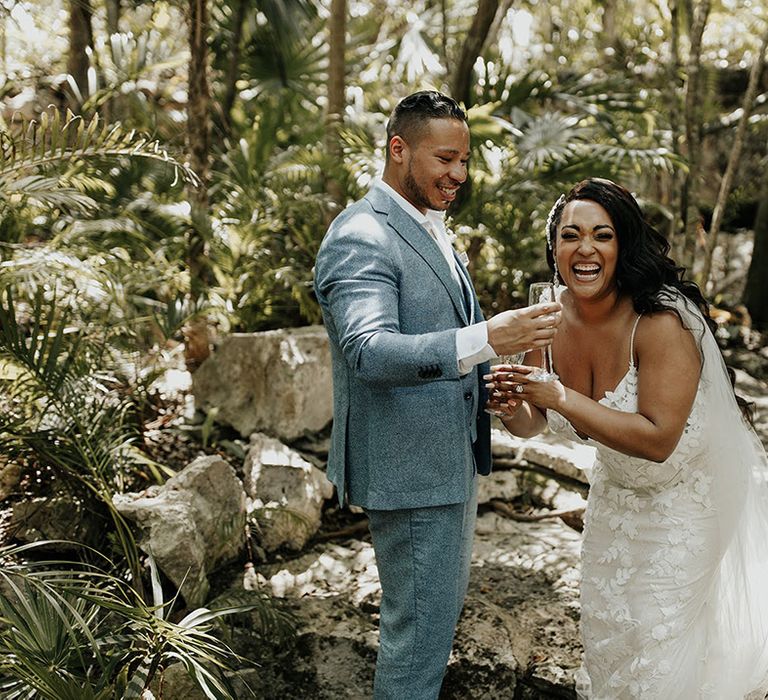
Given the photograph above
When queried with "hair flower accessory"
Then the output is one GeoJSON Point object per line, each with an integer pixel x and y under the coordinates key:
{"type": "Point", "coordinates": [551, 236]}
{"type": "Point", "coordinates": [550, 217]}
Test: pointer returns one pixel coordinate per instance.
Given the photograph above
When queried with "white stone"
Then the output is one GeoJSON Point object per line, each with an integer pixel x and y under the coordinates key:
{"type": "Point", "coordinates": [562, 457]}
{"type": "Point", "coordinates": [191, 524]}
{"type": "Point", "coordinates": [276, 382]}
{"type": "Point", "coordinates": [504, 485]}
{"type": "Point", "coordinates": [286, 491]}
{"type": "Point", "coordinates": [10, 478]}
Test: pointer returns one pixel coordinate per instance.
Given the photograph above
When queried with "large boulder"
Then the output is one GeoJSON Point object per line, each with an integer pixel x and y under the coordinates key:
{"type": "Point", "coordinates": [286, 492]}
{"type": "Point", "coordinates": [192, 523]}
{"type": "Point", "coordinates": [276, 382]}
{"type": "Point", "coordinates": [501, 484]}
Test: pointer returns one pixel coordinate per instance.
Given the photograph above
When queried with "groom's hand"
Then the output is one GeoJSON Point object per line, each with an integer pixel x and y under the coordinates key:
{"type": "Point", "coordinates": [524, 329]}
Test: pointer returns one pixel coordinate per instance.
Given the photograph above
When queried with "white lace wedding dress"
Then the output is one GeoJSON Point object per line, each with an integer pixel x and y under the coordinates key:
{"type": "Point", "coordinates": [674, 589]}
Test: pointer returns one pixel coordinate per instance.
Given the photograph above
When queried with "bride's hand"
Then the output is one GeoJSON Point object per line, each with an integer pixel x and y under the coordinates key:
{"type": "Point", "coordinates": [501, 402]}
{"type": "Point", "coordinates": [512, 383]}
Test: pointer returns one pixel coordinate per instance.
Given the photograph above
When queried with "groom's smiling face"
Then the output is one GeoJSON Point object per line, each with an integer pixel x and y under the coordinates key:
{"type": "Point", "coordinates": [433, 165]}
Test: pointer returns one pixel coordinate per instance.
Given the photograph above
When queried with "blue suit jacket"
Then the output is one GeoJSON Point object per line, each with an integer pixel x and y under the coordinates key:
{"type": "Point", "coordinates": [407, 428]}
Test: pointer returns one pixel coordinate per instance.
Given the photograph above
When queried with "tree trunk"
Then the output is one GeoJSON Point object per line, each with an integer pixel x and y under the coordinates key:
{"type": "Point", "coordinates": [197, 346]}
{"type": "Point", "coordinates": [610, 36]}
{"type": "Point", "coordinates": [676, 178]}
{"type": "Point", "coordinates": [756, 291]}
{"type": "Point", "coordinates": [689, 14]}
{"type": "Point", "coordinates": [498, 21]}
{"type": "Point", "coordinates": [113, 16]}
{"type": "Point", "coordinates": [473, 46]}
{"type": "Point", "coordinates": [233, 72]}
{"type": "Point", "coordinates": [444, 31]}
{"type": "Point", "coordinates": [734, 157]}
{"type": "Point", "coordinates": [80, 41]}
{"type": "Point", "coordinates": [337, 27]}
{"type": "Point", "coordinates": [693, 120]}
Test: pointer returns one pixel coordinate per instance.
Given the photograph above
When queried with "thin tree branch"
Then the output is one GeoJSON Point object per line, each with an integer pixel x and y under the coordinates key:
{"type": "Point", "coordinates": [734, 156]}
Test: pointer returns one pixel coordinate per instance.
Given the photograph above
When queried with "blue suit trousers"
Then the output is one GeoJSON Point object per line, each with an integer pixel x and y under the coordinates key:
{"type": "Point", "coordinates": [423, 556]}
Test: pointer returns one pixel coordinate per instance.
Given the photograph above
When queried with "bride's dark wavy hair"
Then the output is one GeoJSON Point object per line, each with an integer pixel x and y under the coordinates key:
{"type": "Point", "coordinates": [643, 268]}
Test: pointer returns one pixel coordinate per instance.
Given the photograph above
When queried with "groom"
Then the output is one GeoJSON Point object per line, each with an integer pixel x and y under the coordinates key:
{"type": "Point", "coordinates": [409, 348]}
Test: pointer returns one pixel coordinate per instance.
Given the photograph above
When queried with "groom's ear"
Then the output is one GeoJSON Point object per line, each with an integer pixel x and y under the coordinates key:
{"type": "Point", "coordinates": [397, 148]}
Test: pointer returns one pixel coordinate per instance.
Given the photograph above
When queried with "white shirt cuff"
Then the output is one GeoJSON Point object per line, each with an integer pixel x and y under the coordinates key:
{"type": "Point", "coordinates": [472, 347]}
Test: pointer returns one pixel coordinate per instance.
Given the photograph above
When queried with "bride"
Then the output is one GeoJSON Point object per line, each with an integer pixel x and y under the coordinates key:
{"type": "Point", "coordinates": [674, 590]}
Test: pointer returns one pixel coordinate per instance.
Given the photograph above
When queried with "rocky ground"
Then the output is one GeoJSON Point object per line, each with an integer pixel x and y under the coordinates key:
{"type": "Point", "coordinates": [518, 635]}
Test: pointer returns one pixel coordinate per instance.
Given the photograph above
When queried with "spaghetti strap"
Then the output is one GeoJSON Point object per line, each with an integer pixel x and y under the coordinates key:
{"type": "Point", "coordinates": [632, 342]}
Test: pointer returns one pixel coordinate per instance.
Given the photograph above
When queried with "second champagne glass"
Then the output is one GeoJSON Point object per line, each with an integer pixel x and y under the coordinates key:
{"type": "Point", "coordinates": [538, 293]}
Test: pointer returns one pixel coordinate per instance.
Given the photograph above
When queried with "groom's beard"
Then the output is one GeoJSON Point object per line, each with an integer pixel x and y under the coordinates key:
{"type": "Point", "coordinates": [415, 193]}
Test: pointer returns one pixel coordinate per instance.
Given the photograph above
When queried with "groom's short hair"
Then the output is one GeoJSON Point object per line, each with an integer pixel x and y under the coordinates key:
{"type": "Point", "coordinates": [412, 113]}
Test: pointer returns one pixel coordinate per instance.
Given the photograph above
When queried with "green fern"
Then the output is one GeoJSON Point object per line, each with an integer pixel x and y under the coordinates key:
{"type": "Point", "coordinates": [40, 161]}
{"type": "Point", "coordinates": [76, 632]}
{"type": "Point", "coordinates": [62, 409]}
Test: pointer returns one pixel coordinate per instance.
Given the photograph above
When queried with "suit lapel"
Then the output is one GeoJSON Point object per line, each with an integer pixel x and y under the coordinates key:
{"type": "Point", "coordinates": [421, 242]}
{"type": "Point", "coordinates": [467, 286]}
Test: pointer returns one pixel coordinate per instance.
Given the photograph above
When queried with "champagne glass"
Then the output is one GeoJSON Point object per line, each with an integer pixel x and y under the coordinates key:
{"type": "Point", "coordinates": [514, 359]}
{"type": "Point", "coordinates": [538, 293]}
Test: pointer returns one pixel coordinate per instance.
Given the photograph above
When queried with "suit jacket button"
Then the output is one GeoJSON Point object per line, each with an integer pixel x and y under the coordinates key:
{"type": "Point", "coordinates": [468, 396]}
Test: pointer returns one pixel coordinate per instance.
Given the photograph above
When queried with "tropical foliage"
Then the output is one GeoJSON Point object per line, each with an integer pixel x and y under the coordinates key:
{"type": "Point", "coordinates": [106, 262]}
{"type": "Point", "coordinates": [80, 633]}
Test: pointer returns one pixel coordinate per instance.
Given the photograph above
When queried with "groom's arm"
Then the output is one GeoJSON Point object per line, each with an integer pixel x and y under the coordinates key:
{"type": "Point", "coordinates": [356, 281]}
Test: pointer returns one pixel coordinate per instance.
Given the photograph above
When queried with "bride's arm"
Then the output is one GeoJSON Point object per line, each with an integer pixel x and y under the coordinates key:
{"type": "Point", "coordinates": [527, 421]}
{"type": "Point", "coordinates": [519, 417]}
{"type": "Point", "coordinates": [669, 366]}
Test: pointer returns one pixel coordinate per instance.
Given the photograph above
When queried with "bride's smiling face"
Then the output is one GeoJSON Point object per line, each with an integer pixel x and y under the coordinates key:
{"type": "Point", "coordinates": [587, 249]}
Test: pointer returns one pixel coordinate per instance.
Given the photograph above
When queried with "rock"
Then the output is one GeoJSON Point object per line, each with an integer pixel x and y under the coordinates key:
{"type": "Point", "coordinates": [276, 382]}
{"type": "Point", "coordinates": [529, 573]}
{"type": "Point", "coordinates": [332, 657]}
{"type": "Point", "coordinates": [499, 484]}
{"type": "Point", "coordinates": [174, 683]}
{"type": "Point", "coordinates": [567, 459]}
{"type": "Point", "coordinates": [330, 570]}
{"type": "Point", "coordinates": [543, 491]}
{"type": "Point", "coordinates": [752, 363]}
{"type": "Point", "coordinates": [10, 477]}
{"type": "Point", "coordinates": [482, 663]}
{"type": "Point", "coordinates": [191, 524]}
{"type": "Point", "coordinates": [755, 391]}
{"type": "Point", "coordinates": [287, 493]}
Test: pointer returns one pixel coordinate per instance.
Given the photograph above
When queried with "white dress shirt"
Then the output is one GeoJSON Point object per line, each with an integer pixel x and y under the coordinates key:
{"type": "Point", "coordinates": [472, 346]}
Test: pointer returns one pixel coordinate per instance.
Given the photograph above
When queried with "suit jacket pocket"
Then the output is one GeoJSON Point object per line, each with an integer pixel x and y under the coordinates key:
{"type": "Point", "coordinates": [418, 435]}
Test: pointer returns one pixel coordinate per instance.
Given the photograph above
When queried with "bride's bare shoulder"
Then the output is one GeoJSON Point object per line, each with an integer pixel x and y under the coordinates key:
{"type": "Point", "coordinates": [662, 328]}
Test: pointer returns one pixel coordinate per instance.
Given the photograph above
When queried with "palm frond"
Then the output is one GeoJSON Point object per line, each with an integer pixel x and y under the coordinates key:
{"type": "Point", "coordinates": [83, 626]}
{"type": "Point", "coordinates": [270, 617]}
{"type": "Point", "coordinates": [46, 192]}
{"type": "Point", "coordinates": [58, 144]}
{"type": "Point", "coordinates": [62, 410]}
{"type": "Point", "coordinates": [50, 350]}
{"type": "Point", "coordinates": [296, 65]}
{"type": "Point", "coordinates": [551, 138]}
{"type": "Point", "coordinates": [639, 159]}
{"type": "Point", "coordinates": [132, 58]}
